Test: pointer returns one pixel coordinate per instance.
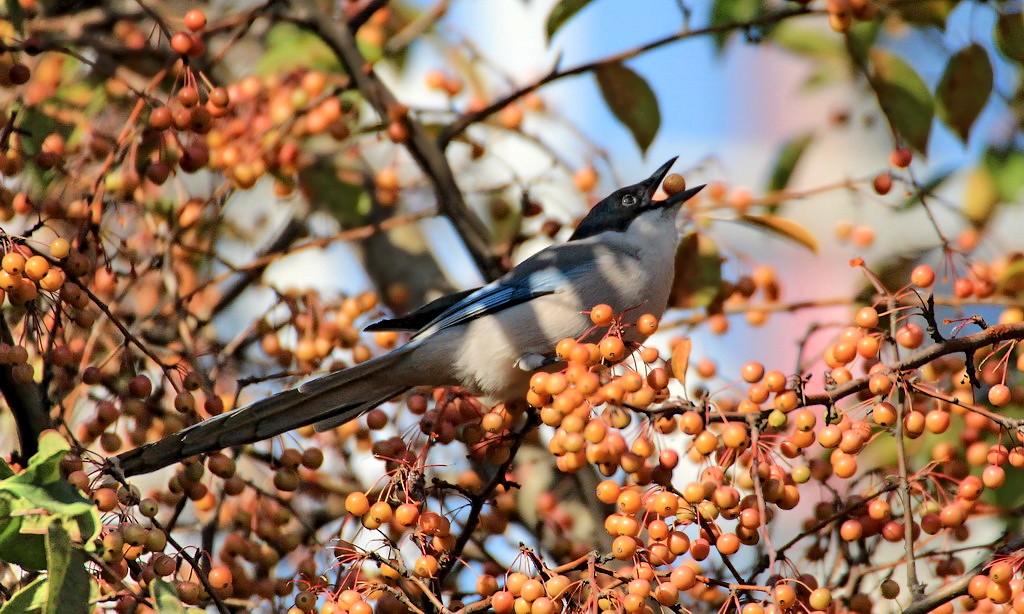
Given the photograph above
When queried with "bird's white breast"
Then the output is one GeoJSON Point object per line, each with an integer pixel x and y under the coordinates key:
{"type": "Point", "coordinates": [629, 271]}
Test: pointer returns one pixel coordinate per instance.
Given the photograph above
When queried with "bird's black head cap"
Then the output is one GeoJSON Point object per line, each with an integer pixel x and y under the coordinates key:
{"type": "Point", "coordinates": [621, 207]}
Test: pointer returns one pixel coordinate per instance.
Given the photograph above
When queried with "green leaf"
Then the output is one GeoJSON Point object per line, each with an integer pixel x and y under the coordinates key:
{"type": "Point", "coordinates": [289, 46]}
{"type": "Point", "coordinates": [964, 89]}
{"type": "Point", "coordinates": [926, 12]}
{"type": "Point", "coordinates": [34, 498]}
{"type": "Point", "coordinates": [15, 15]}
{"type": "Point", "coordinates": [1009, 36]}
{"type": "Point", "coordinates": [786, 160]}
{"type": "Point", "coordinates": [31, 598]}
{"type": "Point", "coordinates": [166, 600]}
{"type": "Point", "coordinates": [1007, 169]}
{"type": "Point", "coordinates": [326, 188]}
{"type": "Point", "coordinates": [809, 42]}
{"type": "Point", "coordinates": [631, 100]}
{"type": "Point", "coordinates": [861, 37]}
{"type": "Point", "coordinates": [69, 579]}
{"type": "Point", "coordinates": [785, 228]}
{"type": "Point", "coordinates": [904, 98]}
{"type": "Point", "coordinates": [5, 470]}
{"type": "Point", "coordinates": [725, 12]}
{"type": "Point", "coordinates": [561, 13]}
{"type": "Point", "coordinates": [698, 272]}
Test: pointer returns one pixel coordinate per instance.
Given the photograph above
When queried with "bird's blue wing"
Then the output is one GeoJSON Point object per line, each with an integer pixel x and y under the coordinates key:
{"type": "Point", "coordinates": [492, 298]}
{"type": "Point", "coordinates": [423, 316]}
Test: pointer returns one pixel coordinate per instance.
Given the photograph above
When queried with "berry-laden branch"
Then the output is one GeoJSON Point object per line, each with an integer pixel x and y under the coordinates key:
{"type": "Point", "coordinates": [428, 155]}
{"type": "Point", "coordinates": [469, 118]}
{"type": "Point", "coordinates": [957, 588]}
{"type": "Point", "coordinates": [477, 505]}
{"type": "Point", "coordinates": [970, 343]}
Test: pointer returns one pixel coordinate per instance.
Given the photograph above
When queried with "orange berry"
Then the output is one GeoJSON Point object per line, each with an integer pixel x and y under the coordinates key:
{"type": "Point", "coordinates": [910, 336]}
{"type": "Point", "coordinates": [851, 530]}
{"type": "Point", "coordinates": [602, 315]}
{"type": "Point", "coordinates": [220, 577]}
{"type": "Point", "coordinates": [357, 504]}
{"type": "Point", "coordinates": [784, 595]}
{"type": "Point", "coordinates": [752, 372]}
{"type": "Point", "coordinates": [775, 381]}
{"type": "Point", "coordinates": [608, 491]}
{"type": "Point", "coordinates": [36, 268]}
{"type": "Point", "coordinates": [425, 566]}
{"type": "Point", "coordinates": [727, 543]}
{"type": "Point", "coordinates": [60, 248]}
{"type": "Point", "coordinates": [629, 501]}
{"type": "Point", "coordinates": [673, 184]}
{"type": "Point", "coordinates": [963, 287]}
{"type": "Point", "coordinates": [380, 512]}
{"type": "Point", "coordinates": [665, 504]}
{"type": "Point", "coordinates": [880, 384]}
{"type": "Point", "coordinates": [734, 435]}
{"type": "Point", "coordinates": [683, 578]}
{"type": "Point", "coordinates": [999, 395]}
{"type": "Point", "coordinates": [1001, 572]}
{"type": "Point", "coordinates": [884, 414]}
{"type": "Point", "coordinates": [612, 349]}
{"type": "Point", "coordinates": [434, 79]}
{"type": "Point", "coordinates": [13, 263]}
{"type": "Point", "coordinates": [195, 20]}
{"type": "Point", "coordinates": [647, 325]}
{"type": "Point", "coordinates": [820, 599]}
{"type": "Point", "coordinates": [181, 43]}
{"type": "Point", "coordinates": [867, 317]}
{"type": "Point", "coordinates": [585, 179]}
{"type": "Point", "coordinates": [624, 547]}
{"type": "Point", "coordinates": [922, 276]}
{"type": "Point", "coordinates": [993, 476]}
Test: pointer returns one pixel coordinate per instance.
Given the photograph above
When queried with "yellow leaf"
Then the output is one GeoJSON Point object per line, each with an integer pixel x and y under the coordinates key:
{"type": "Point", "coordinates": [681, 359]}
{"type": "Point", "coordinates": [785, 228]}
{"type": "Point", "coordinates": [981, 195]}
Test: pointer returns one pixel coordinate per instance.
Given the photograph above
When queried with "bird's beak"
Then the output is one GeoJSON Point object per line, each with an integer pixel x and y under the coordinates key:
{"type": "Point", "coordinates": [651, 183]}
{"type": "Point", "coordinates": [651, 186]}
{"type": "Point", "coordinates": [681, 197]}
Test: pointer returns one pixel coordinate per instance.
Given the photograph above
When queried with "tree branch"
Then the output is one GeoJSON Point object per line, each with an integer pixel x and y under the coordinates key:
{"type": "Point", "coordinates": [957, 588]}
{"type": "Point", "coordinates": [427, 154]}
{"type": "Point", "coordinates": [469, 118]}
{"type": "Point", "coordinates": [25, 401]}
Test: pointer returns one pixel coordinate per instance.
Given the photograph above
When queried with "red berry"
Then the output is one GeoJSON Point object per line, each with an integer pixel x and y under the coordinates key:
{"type": "Point", "coordinates": [901, 157]}
{"type": "Point", "coordinates": [882, 183]}
{"type": "Point", "coordinates": [181, 43]}
{"type": "Point", "coordinates": [195, 20]}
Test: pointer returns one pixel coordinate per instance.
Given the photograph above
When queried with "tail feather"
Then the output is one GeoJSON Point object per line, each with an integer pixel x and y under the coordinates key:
{"type": "Point", "coordinates": [326, 402]}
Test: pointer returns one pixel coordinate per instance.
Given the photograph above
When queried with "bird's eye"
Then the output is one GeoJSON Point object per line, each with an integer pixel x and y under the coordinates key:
{"type": "Point", "coordinates": [629, 200]}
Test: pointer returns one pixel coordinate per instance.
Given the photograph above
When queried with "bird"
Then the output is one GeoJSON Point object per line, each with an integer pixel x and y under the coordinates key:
{"type": "Point", "coordinates": [489, 340]}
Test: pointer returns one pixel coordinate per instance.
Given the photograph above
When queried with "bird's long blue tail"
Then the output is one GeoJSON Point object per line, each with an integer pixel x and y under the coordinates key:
{"type": "Point", "coordinates": [326, 402]}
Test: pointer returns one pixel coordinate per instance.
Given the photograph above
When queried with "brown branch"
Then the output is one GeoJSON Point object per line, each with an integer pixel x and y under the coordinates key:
{"type": "Point", "coordinates": [957, 588]}
{"type": "Point", "coordinates": [424, 150]}
{"type": "Point", "coordinates": [476, 507]}
{"type": "Point", "coordinates": [291, 231]}
{"type": "Point", "coordinates": [469, 118]}
{"type": "Point", "coordinates": [193, 561]}
{"type": "Point", "coordinates": [970, 343]}
{"type": "Point", "coordinates": [26, 403]}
